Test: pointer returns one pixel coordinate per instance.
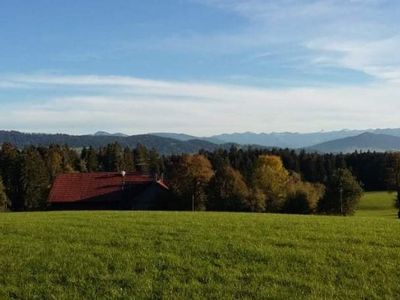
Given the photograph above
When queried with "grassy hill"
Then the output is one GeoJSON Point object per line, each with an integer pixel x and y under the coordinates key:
{"type": "Point", "coordinates": [66, 255]}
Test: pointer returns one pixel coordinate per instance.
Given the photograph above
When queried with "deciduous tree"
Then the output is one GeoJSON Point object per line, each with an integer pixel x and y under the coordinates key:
{"type": "Point", "coordinates": [228, 191]}
{"type": "Point", "coordinates": [271, 178]}
{"type": "Point", "coordinates": [342, 195]}
{"type": "Point", "coordinates": [189, 181]}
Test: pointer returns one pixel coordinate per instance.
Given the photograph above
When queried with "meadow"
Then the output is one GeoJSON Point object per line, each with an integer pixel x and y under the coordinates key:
{"type": "Point", "coordinates": [377, 204]}
{"type": "Point", "coordinates": [182, 255]}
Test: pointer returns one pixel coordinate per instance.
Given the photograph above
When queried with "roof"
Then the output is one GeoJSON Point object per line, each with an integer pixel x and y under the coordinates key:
{"type": "Point", "coordinates": [77, 187]}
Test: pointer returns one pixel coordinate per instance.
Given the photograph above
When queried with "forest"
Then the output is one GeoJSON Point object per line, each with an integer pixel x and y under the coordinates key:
{"type": "Point", "coordinates": [251, 179]}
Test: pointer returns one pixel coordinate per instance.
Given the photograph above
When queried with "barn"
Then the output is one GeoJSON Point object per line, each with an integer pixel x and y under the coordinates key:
{"type": "Point", "coordinates": [108, 190]}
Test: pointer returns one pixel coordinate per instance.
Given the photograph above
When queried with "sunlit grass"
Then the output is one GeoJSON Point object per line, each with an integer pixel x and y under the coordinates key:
{"type": "Point", "coordinates": [70, 255]}
{"type": "Point", "coordinates": [377, 204]}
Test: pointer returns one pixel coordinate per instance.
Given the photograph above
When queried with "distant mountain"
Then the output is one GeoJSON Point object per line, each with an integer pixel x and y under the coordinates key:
{"type": "Point", "coordinates": [364, 142]}
{"type": "Point", "coordinates": [105, 133]}
{"type": "Point", "coordinates": [161, 144]}
{"type": "Point", "coordinates": [186, 137]}
{"type": "Point", "coordinates": [296, 140]}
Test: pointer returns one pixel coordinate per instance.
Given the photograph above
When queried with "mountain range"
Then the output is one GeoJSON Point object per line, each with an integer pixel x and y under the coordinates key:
{"type": "Point", "coordinates": [282, 139]}
{"type": "Point", "coordinates": [344, 141]}
{"type": "Point", "coordinates": [364, 142]}
{"type": "Point", "coordinates": [163, 145]}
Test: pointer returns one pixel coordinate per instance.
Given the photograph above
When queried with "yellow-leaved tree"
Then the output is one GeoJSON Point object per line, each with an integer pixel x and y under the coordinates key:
{"type": "Point", "coordinates": [270, 178]}
{"type": "Point", "coordinates": [192, 175]}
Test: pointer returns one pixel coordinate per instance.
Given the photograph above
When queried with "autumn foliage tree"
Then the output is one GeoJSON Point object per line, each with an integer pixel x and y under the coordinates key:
{"type": "Point", "coordinates": [228, 191]}
{"type": "Point", "coordinates": [190, 177]}
{"type": "Point", "coordinates": [303, 197]}
{"type": "Point", "coordinates": [270, 178]}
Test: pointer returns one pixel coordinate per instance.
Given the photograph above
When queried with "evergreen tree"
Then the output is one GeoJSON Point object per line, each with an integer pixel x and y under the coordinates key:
{"type": "Point", "coordinates": [154, 162]}
{"type": "Point", "coordinates": [393, 175]}
{"type": "Point", "coordinates": [141, 156]}
{"type": "Point", "coordinates": [3, 197]}
{"type": "Point", "coordinates": [90, 157]}
{"type": "Point", "coordinates": [128, 160]}
{"type": "Point", "coordinates": [35, 180]}
{"type": "Point", "coordinates": [10, 170]}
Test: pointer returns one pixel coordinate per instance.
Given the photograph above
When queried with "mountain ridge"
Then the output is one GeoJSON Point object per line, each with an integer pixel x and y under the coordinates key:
{"type": "Point", "coordinates": [161, 144]}
{"type": "Point", "coordinates": [366, 141]}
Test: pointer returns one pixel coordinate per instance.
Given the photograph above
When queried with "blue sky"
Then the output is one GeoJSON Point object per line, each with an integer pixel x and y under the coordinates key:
{"type": "Point", "coordinates": [199, 66]}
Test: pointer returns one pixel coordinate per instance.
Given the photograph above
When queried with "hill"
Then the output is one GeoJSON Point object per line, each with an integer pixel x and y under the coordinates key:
{"type": "Point", "coordinates": [186, 137]}
{"type": "Point", "coordinates": [363, 142]}
{"type": "Point", "coordinates": [183, 255]}
{"type": "Point", "coordinates": [102, 133]}
{"type": "Point", "coordinates": [162, 144]}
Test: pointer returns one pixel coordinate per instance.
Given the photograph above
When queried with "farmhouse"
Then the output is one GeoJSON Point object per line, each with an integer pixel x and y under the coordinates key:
{"type": "Point", "coordinates": [108, 190]}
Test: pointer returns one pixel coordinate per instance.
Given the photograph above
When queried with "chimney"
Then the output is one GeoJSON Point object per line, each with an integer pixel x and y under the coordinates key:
{"type": "Point", "coordinates": [123, 174]}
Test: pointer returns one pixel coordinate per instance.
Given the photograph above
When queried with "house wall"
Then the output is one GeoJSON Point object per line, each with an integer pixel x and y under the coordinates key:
{"type": "Point", "coordinates": [153, 198]}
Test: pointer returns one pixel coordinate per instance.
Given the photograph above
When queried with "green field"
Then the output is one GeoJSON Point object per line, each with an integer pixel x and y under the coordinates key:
{"type": "Point", "coordinates": [70, 255]}
{"type": "Point", "coordinates": [377, 204]}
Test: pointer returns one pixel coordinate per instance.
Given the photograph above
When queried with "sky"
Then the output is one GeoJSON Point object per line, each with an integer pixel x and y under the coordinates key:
{"type": "Point", "coordinates": [199, 67]}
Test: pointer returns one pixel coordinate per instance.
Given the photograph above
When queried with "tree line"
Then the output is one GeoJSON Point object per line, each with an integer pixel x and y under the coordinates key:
{"type": "Point", "coordinates": [261, 180]}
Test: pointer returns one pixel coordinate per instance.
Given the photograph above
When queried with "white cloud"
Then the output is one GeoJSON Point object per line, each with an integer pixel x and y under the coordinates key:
{"type": "Point", "coordinates": [135, 105]}
{"type": "Point", "coordinates": [378, 58]}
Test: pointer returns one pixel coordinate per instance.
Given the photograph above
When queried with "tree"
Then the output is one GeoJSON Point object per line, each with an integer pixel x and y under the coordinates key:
{"type": "Point", "coordinates": [189, 179]}
{"type": "Point", "coordinates": [342, 195]}
{"type": "Point", "coordinates": [128, 160]}
{"type": "Point", "coordinates": [154, 162]}
{"type": "Point", "coordinates": [3, 197]}
{"type": "Point", "coordinates": [90, 158]}
{"type": "Point", "coordinates": [228, 191]}
{"type": "Point", "coordinates": [35, 180]}
{"type": "Point", "coordinates": [10, 170]}
{"type": "Point", "coordinates": [141, 156]}
{"type": "Point", "coordinates": [271, 178]}
{"type": "Point", "coordinates": [393, 175]}
{"type": "Point", "coordinates": [54, 161]}
{"type": "Point", "coordinates": [303, 197]}
{"type": "Point", "coordinates": [71, 160]}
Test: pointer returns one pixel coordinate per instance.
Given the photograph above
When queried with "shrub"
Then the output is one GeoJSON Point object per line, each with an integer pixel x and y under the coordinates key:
{"type": "Point", "coordinates": [303, 197]}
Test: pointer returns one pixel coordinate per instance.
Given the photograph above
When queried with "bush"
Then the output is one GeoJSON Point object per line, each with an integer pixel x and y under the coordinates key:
{"type": "Point", "coordinates": [303, 198]}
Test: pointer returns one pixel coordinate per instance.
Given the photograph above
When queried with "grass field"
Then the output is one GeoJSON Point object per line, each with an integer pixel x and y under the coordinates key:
{"type": "Point", "coordinates": [377, 204]}
{"type": "Point", "coordinates": [153, 255]}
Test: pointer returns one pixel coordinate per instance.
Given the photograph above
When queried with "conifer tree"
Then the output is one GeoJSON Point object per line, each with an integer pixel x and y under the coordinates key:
{"type": "Point", "coordinates": [10, 170]}
{"type": "Point", "coordinates": [3, 197]}
{"type": "Point", "coordinates": [35, 180]}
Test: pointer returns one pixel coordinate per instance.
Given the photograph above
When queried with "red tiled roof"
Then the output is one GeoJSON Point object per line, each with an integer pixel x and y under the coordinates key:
{"type": "Point", "coordinates": [76, 187]}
